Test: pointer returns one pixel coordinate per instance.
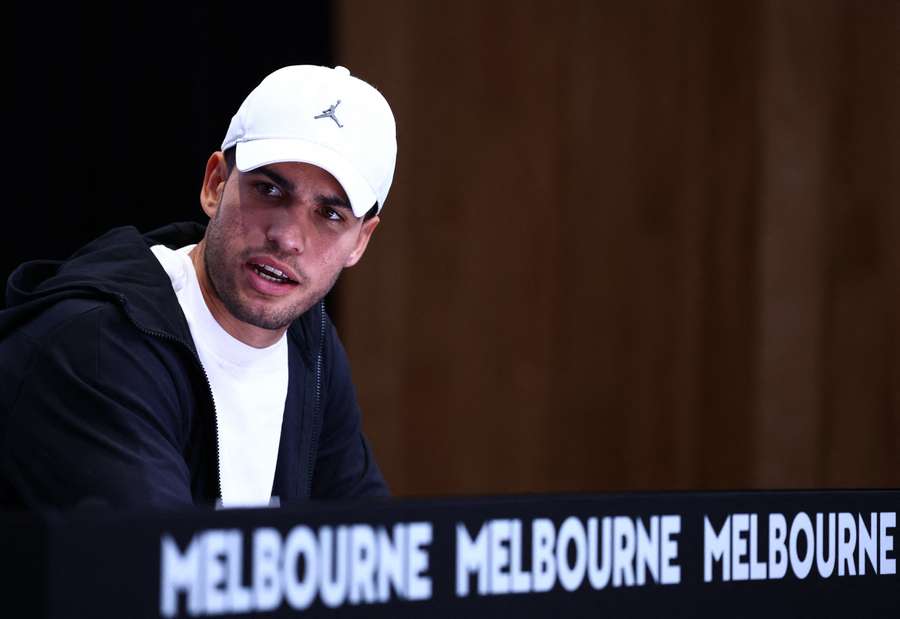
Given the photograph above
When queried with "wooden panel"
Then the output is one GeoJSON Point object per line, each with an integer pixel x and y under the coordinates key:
{"type": "Point", "coordinates": [798, 84]}
{"type": "Point", "coordinates": [861, 422]}
{"type": "Point", "coordinates": [628, 245]}
{"type": "Point", "coordinates": [828, 410]}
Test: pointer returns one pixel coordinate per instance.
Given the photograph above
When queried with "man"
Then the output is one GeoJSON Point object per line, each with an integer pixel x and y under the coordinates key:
{"type": "Point", "coordinates": [196, 365]}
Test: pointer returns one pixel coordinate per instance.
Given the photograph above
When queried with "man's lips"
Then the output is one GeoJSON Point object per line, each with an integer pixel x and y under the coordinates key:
{"type": "Point", "coordinates": [265, 285]}
{"type": "Point", "coordinates": [273, 268]}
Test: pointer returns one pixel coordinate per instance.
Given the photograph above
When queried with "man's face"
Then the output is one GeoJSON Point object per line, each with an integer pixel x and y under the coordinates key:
{"type": "Point", "coordinates": [277, 239]}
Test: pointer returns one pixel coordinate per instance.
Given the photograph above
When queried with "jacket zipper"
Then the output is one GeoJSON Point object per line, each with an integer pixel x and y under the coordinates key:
{"type": "Point", "coordinates": [316, 419]}
{"type": "Point", "coordinates": [165, 336]}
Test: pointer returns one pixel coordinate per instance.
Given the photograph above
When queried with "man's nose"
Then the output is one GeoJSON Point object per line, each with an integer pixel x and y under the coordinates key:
{"type": "Point", "coordinates": [287, 233]}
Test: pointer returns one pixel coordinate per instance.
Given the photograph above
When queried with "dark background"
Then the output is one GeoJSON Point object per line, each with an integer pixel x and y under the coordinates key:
{"type": "Point", "coordinates": [116, 109]}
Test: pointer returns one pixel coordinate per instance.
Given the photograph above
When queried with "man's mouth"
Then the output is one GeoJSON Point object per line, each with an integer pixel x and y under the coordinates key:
{"type": "Point", "coordinates": [270, 273]}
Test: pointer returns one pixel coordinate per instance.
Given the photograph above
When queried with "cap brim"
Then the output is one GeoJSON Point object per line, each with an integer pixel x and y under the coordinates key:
{"type": "Point", "coordinates": [255, 153]}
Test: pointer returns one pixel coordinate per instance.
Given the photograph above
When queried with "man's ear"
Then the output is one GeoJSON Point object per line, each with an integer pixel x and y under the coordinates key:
{"type": "Point", "coordinates": [213, 183]}
{"type": "Point", "coordinates": [362, 241]}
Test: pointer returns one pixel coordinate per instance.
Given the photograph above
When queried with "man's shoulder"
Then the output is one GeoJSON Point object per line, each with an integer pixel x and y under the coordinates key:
{"type": "Point", "coordinates": [81, 328]}
{"type": "Point", "coordinates": [116, 275]}
{"type": "Point", "coordinates": [58, 320]}
{"type": "Point", "coordinates": [94, 342]}
{"type": "Point", "coordinates": [86, 341]}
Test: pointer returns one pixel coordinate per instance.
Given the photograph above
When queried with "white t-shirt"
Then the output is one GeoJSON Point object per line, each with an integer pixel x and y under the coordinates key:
{"type": "Point", "coordinates": [249, 388]}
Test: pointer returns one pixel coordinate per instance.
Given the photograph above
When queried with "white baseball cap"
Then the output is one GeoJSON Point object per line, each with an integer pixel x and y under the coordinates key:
{"type": "Point", "coordinates": [321, 116]}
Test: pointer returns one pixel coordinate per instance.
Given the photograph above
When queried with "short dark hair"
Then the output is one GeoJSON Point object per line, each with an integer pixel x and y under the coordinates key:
{"type": "Point", "coordinates": [229, 158]}
{"type": "Point", "coordinates": [229, 164]}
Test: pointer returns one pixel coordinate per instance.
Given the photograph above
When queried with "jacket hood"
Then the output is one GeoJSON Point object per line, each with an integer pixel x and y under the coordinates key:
{"type": "Point", "coordinates": [120, 267]}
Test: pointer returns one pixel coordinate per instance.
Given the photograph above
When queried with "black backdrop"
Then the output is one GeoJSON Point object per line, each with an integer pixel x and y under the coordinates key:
{"type": "Point", "coordinates": [116, 110]}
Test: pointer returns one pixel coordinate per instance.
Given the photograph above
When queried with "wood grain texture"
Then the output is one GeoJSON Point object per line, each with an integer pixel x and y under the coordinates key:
{"type": "Point", "coordinates": [643, 245]}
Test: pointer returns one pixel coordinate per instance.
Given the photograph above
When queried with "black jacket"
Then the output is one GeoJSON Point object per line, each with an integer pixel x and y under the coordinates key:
{"type": "Point", "coordinates": [103, 399]}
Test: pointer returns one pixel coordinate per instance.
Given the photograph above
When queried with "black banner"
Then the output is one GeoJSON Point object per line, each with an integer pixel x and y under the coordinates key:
{"type": "Point", "coordinates": [736, 554]}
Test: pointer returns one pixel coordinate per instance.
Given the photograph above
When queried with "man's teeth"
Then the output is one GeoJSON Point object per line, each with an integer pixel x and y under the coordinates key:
{"type": "Point", "coordinates": [271, 273]}
{"type": "Point", "coordinates": [272, 270]}
{"type": "Point", "coordinates": [270, 278]}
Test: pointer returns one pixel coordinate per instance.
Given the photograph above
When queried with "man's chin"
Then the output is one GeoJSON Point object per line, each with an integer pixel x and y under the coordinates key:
{"type": "Point", "coordinates": [269, 318]}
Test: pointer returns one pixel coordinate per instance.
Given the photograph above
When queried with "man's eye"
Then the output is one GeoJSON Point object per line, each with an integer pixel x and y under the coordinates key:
{"type": "Point", "coordinates": [330, 214]}
{"type": "Point", "coordinates": [268, 190]}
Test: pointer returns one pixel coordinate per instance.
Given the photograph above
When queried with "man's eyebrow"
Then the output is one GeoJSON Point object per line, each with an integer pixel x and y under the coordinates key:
{"type": "Point", "coordinates": [275, 176]}
{"type": "Point", "coordinates": [333, 200]}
